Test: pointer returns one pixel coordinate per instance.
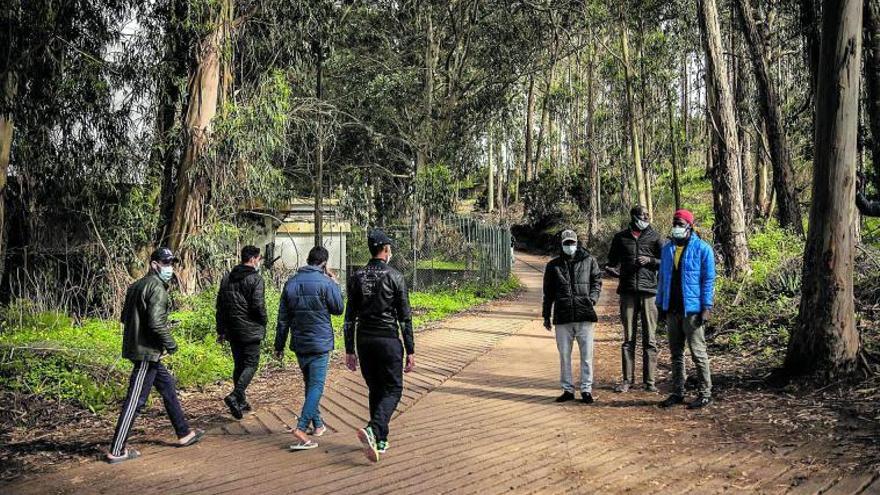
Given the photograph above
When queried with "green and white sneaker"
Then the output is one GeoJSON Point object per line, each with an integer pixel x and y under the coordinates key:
{"type": "Point", "coordinates": [368, 440]}
{"type": "Point", "coordinates": [382, 446]}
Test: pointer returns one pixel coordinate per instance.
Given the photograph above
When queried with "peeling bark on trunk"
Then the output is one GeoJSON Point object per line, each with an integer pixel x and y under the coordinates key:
{"type": "Point", "coordinates": [748, 173]}
{"type": "Point", "coordinates": [192, 184]}
{"type": "Point", "coordinates": [825, 339]}
{"type": "Point", "coordinates": [783, 176]}
{"type": "Point", "coordinates": [727, 184]}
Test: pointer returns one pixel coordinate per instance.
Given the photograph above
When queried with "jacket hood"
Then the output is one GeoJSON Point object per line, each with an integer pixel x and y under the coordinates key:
{"type": "Point", "coordinates": [241, 272]}
{"type": "Point", "coordinates": [310, 269]}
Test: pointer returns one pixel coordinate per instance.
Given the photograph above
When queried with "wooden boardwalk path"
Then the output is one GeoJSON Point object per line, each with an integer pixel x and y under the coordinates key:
{"type": "Point", "coordinates": [478, 417]}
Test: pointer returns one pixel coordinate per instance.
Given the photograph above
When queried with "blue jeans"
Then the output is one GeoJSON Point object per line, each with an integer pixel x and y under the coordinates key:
{"type": "Point", "coordinates": [314, 370]}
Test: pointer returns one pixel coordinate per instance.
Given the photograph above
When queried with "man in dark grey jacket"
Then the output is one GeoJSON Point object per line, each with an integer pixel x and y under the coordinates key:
{"type": "Point", "coordinates": [146, 340]}
{"type": "Point", "coordinates": [241, 320]}
{"type": "Point", "coordinates": [636, 251]}
{"type": "Point", "coordinates": [377, 318]}
{"type": "Point", "coordinates": [572, 284]}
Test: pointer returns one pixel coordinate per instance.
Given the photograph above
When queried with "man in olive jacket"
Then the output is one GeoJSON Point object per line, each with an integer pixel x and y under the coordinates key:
{"type": "Point", "coordinates": [636, 251]}
{"type": "Point", "coordinates": [146, 340]}
{"type": "Point", "coordinates": [572, 284]}
{"type": "Point", "coordinates": [241, 320]}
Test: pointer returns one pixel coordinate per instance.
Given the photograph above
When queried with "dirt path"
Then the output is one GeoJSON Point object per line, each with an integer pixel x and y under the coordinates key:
{"type": "Point", "coordinates": [479, 417]}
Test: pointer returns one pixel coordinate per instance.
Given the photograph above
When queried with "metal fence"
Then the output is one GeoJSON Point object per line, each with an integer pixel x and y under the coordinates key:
{"type": "Point", "coordinates": [449, 251]}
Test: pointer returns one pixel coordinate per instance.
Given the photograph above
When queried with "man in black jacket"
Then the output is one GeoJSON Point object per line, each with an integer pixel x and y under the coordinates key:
{"type": "Point", "coordinates": [636, 251]}
{"type": "Point", "coordinates": [572, 284]}
{"type": "Point", "coordinates": [146, 340]}
{"type": "Point", "coordinates": [376, 317]}
{"type": "Point", "coordinates": [241, 320]}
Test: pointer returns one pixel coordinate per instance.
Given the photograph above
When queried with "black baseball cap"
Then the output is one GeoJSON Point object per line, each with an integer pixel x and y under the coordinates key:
{"type": "Point", "coordinates": [377, 238]}
{"type": "Point", "coordinates": [164, 255]}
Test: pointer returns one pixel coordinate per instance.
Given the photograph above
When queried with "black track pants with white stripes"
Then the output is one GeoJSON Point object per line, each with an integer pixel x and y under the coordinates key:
{"type": "Point", "coordinates": [144, 376]}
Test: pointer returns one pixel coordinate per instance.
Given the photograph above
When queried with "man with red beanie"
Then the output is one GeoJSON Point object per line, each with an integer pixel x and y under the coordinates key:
{"type": "Point", "coordinates": [685, 295]}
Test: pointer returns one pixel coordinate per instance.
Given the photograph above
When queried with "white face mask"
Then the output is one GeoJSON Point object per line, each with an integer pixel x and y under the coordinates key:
{"type": "Point", "coordinates": [640, 224]}
{"type": "Point", "coordinates": [389, 258]}
{"type": "Point", "coordinates": [679, 232]}
{"type": "Point", "coordinates": [569, 249]}
{"type": "Point", "coordinates": [165, 273]}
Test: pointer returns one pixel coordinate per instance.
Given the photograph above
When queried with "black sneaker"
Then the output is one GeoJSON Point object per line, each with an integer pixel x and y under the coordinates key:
{"type": "Point", "coordinates": [700, 403]}
{"type": "Point", "coordinates": [650, 388]}
{"type": "Point", "coordinates": [587, 398]}
{"type": "Point", "coordinates": [246, 406]}
{"type": "Point", "coordinates": [565, 397]}
{"type": "Point", "coordinates": [234, 407]}
{"type": "Point", "coordinates": [622, 387]}
{"type": "Point", "coordinates": [672, 400]}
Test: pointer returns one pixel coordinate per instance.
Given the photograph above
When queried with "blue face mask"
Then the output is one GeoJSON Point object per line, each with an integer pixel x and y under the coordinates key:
{"type": "Point", "coordinates": [166, 273]}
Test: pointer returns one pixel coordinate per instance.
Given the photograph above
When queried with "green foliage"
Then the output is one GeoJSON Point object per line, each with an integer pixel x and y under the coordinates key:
{"type": "Point", "coordinates": [435, 188]}
{"type": "Point", "coordinates": [770, 248]}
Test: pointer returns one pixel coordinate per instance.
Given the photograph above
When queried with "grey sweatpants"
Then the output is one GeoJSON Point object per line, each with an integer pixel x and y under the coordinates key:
{"type": "Point", "coordinates": [566, 334]}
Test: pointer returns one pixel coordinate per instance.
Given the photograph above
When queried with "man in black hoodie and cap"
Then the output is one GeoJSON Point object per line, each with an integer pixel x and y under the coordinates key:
{"type": "Point", "coordinates": [241, 321]}
{"type": "Point", "coordinates": [636, 252]}
{"type": "Point", "coordinates": [572, 284]}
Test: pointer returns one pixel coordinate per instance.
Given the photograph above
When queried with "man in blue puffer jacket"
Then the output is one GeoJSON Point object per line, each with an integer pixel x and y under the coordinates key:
{"type": "Point", "coordinates": [685, 295]}
{"type": "Point", "coordinates": [308, 300]}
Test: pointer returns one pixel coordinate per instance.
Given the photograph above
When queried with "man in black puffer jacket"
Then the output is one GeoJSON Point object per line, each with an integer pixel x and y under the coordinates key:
{"type": "Point", "coordinates": [241, 320]}
{"type": "Point", "coordinates": [572, 284]}
{"type": "Point", "coordinates": [636, 251]}
{"type": "Point", "coordinates": [377, 318]}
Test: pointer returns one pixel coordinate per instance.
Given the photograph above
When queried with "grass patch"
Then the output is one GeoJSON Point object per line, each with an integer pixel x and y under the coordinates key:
{"type": "Point", "coordinates": [441, 265]}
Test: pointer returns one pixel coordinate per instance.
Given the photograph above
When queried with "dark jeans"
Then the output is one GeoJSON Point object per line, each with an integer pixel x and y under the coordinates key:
{"type": "Point", "coordinates": [144, 376]}
{"type": "Point", "coordinates": [381, 362]}
{"type": "Point", "coordinates": [246, 358]}
{"type": "Point", "coordinates": [314, 370]}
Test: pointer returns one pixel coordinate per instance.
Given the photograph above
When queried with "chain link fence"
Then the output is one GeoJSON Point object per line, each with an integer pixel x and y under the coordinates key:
{"type": "Point", "coordinates": [450, 251]}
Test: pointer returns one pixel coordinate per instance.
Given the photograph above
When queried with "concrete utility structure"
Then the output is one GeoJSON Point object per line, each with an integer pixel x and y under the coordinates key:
{"type": "Point", "coordinates": [289, 234]}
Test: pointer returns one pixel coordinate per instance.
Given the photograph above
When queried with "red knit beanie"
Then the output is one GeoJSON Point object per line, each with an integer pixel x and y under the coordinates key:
{"type": "Point", "coordinates": [685, 215]}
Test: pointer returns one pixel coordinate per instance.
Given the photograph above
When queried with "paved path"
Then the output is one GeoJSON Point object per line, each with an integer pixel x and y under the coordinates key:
{"type": "Point", "coordinates": [478, 417]}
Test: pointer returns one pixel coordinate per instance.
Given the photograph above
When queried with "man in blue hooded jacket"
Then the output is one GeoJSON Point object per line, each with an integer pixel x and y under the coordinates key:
{"type": "Point", "coordinates": [308, 300]}
{"type": "Point", "coordinates": [685, 296]}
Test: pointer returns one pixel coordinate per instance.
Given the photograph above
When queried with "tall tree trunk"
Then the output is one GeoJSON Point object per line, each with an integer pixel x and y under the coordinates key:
{"type": "Point", "coordinates": [425, 130]}
{"type": "Point", "coordinates": [872, 80]}
{"type": "Point", "coordinates": [685, 107]}
{"type": "Point", "coordinates": [545, 110]}
{"type": "Point", "coordinates": [490, 196]}
{"type": "Point", "coordinates": [192, 185]}
{"type": "Point", "coordinates": [643, 121]}
{"type": "Point", "coordinates": [825, 338]}
{"type": "Point", "coordinates": [727, 184]}
{"type": "Point", "coordinates": [748, 174]}
{"type": "Point", "coordinates": [592, 181]}
{"type": "Point", "coordinates": [318, 186]}
{"type": "Point", "coordinates": [673, 146]}
{"type": "Point", "coordinates": [8, 85]}
{"type": "Point", "coordinates": [634, 130]}
{"type": "Point", "coordinates": [530, 115]}
{"type": "Point", "coordinates": [783, 176]}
